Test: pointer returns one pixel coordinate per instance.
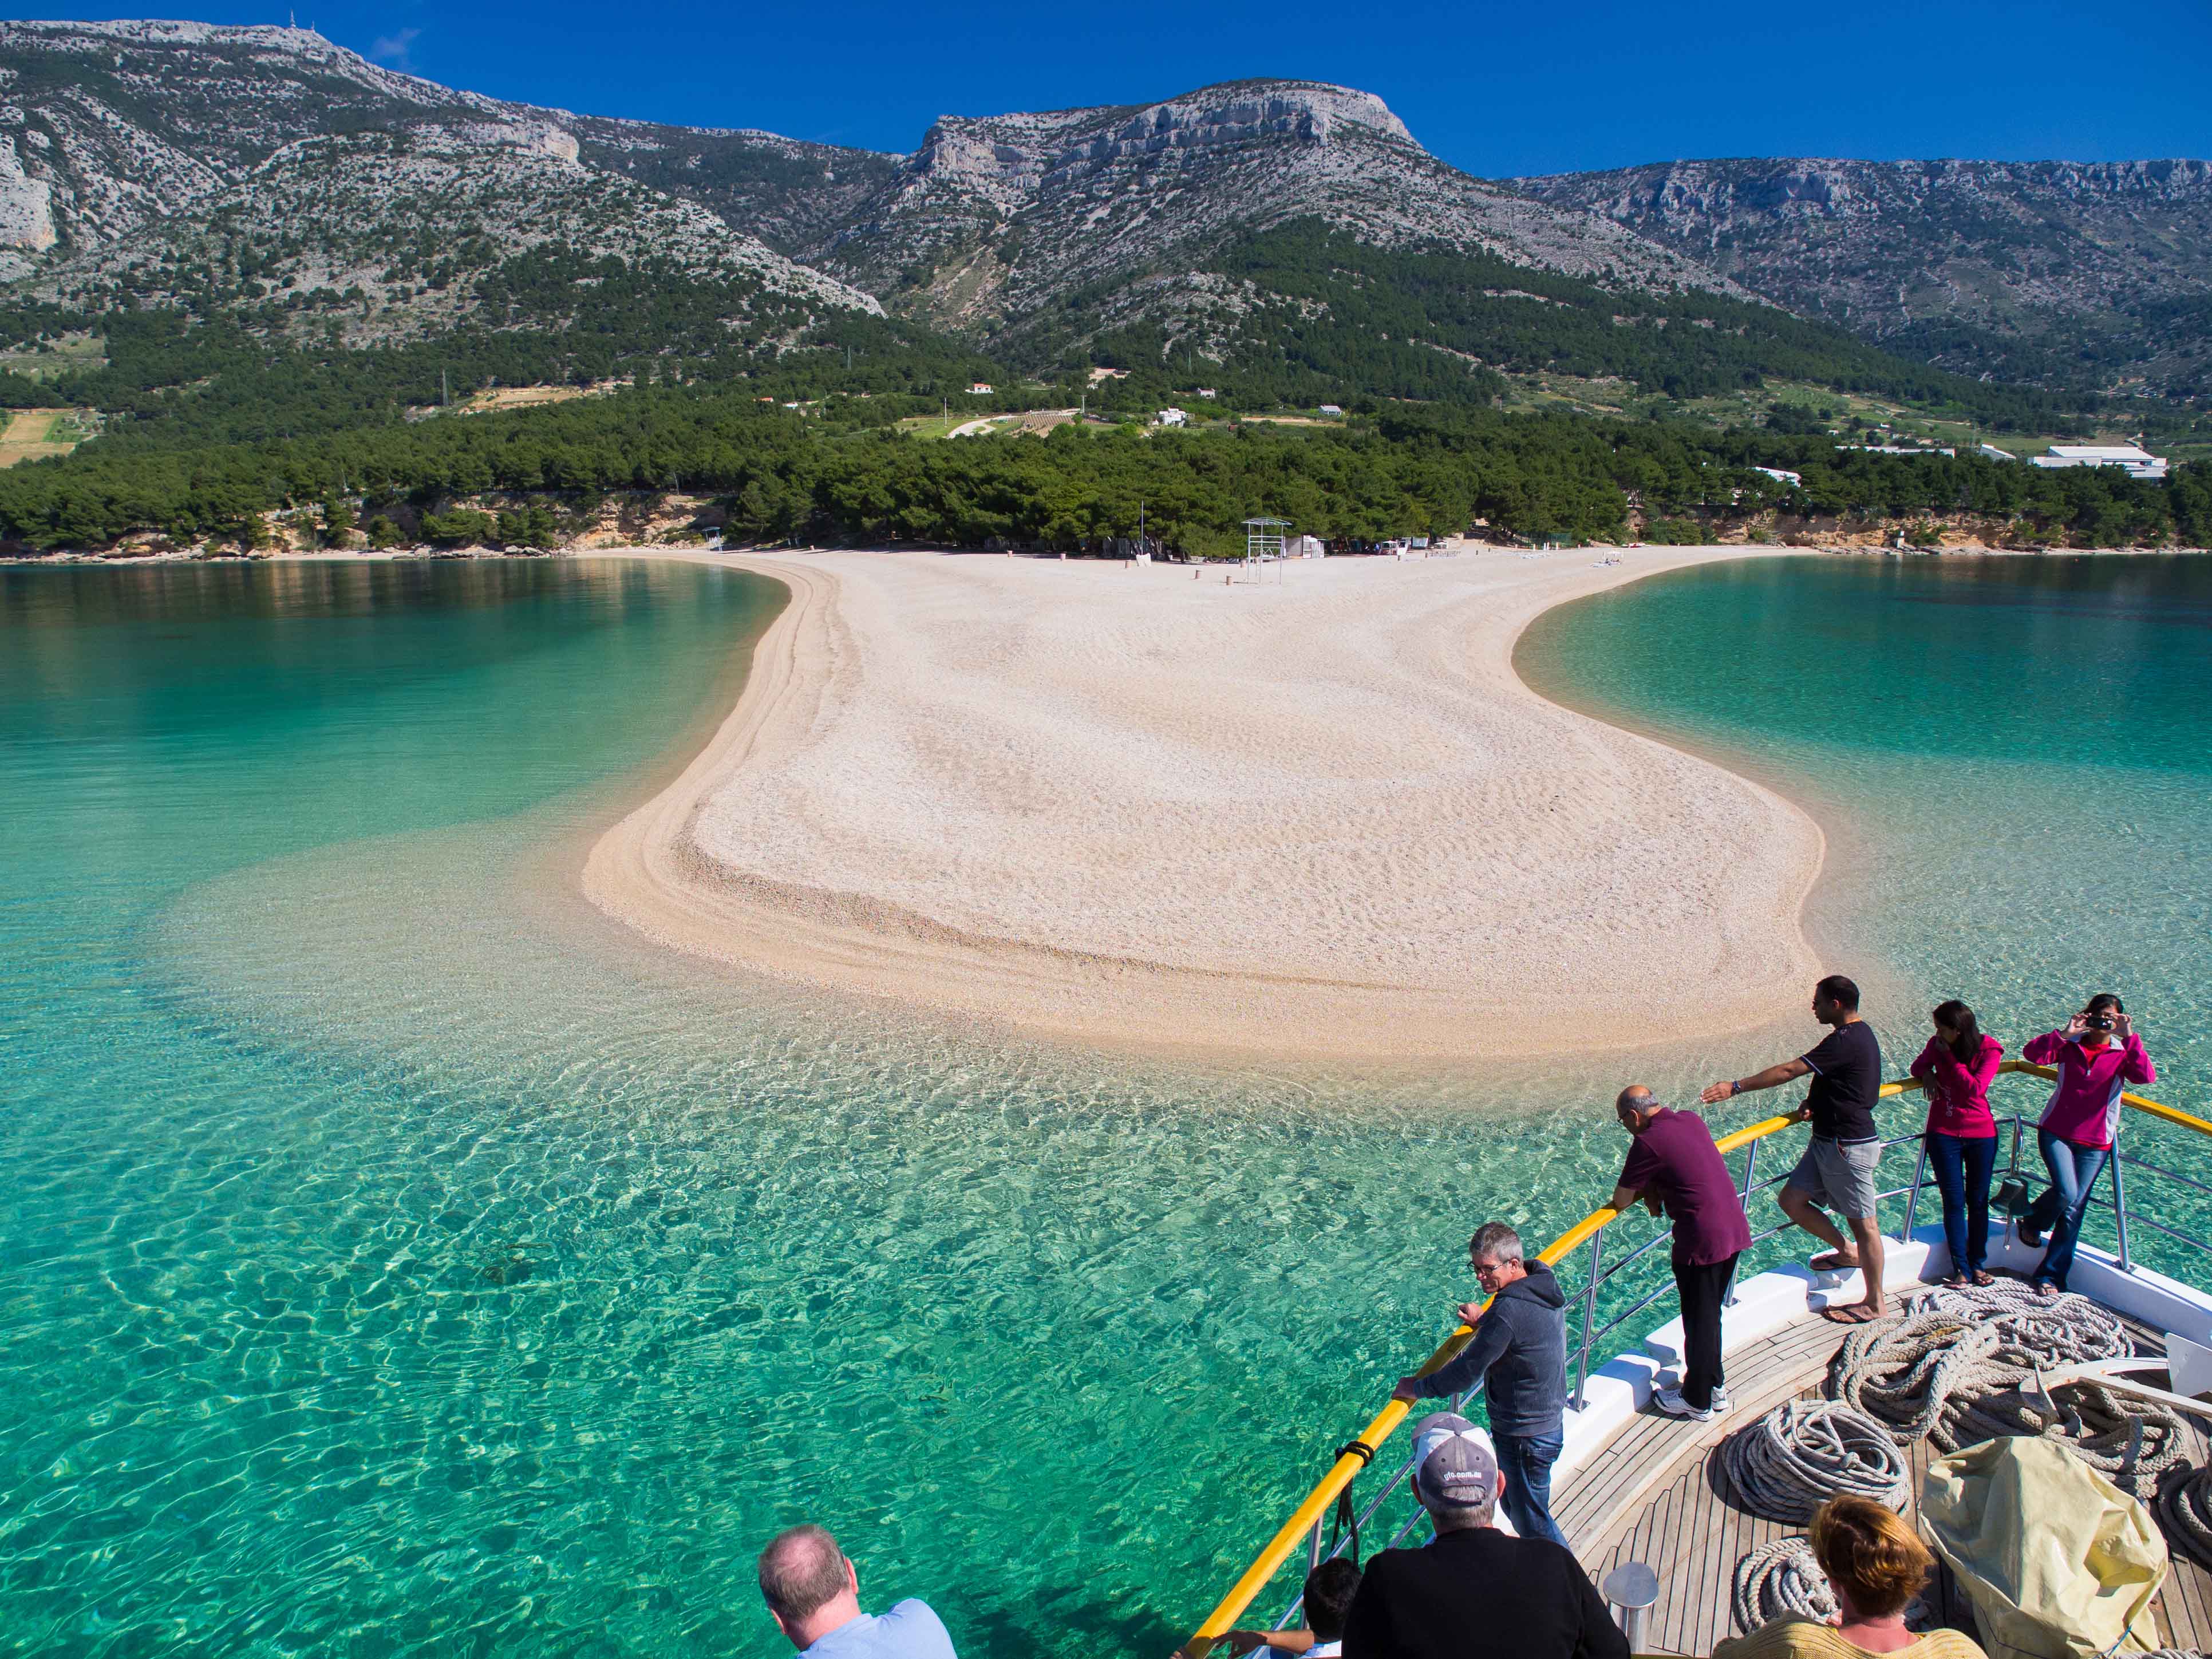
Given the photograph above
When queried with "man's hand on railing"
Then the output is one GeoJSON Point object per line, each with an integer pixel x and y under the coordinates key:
{"type": "Point", "coordinates": [1407, 1390]}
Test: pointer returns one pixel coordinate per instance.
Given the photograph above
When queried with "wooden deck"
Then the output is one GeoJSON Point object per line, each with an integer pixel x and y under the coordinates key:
{"type": "Point", "coordinates": [1657, 1494]}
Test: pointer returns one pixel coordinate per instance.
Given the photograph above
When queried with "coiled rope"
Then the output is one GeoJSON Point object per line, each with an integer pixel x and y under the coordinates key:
{"type": "Point", "coordinates": [1806, 1452]}
{"type": "Point", "coordinates": [1964, 1368]}
{"type": "Point", "coordinates": [1783, 1577]}
{"type": "Point", "coordinates": [2183, 1508]}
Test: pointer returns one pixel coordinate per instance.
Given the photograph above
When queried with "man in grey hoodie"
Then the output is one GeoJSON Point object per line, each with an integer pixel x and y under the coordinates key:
{"type": "Point", "coordinates": [1518, 1353]}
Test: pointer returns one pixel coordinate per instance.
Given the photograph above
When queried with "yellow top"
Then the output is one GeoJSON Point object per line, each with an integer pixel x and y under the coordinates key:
{"type": "Point", "coordinates": [1795, 1636]}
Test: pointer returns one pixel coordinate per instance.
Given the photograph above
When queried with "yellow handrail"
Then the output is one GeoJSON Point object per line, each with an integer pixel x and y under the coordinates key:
{"type": "Point", "coordinates": [1269, 1561]}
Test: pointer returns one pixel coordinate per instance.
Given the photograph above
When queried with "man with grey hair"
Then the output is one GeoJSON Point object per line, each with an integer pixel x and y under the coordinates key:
{"type": "Point", "coordinates": [1471, 1589]}
{"type": "Point", "coordinates": [1518, 1353]}
{"type": "Point", "coordinates": [814, 1593]}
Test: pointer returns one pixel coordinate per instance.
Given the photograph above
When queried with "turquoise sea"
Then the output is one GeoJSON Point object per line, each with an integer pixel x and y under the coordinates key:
{"type": "Point", "coordinates": [400, 1259]}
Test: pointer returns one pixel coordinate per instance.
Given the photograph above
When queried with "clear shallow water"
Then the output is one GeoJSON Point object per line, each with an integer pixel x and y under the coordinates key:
{"type": "Point", "coordinates": [2015, 756]}
{"type": "Point", "coordinates": [400, 1259]}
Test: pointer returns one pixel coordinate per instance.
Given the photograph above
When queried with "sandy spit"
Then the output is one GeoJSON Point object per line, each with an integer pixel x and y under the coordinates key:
{"type": "Point", "coordinates": [1122, 807]}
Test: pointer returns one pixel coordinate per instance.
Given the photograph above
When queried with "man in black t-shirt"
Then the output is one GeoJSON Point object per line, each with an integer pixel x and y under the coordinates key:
{"type": "Point", "coordinates": [1840, 1165]}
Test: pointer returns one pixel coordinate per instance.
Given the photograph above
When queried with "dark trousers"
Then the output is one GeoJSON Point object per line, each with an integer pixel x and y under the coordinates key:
{"type": "Point", "coordinates": [1962, 1171]}
{"type": "Point", "coordinates": [1525, 1461]}
{"type": "Point", "coordinates": [1701, 1289]}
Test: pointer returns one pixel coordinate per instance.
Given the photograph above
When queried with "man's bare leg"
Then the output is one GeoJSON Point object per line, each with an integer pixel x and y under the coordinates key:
{"type": "Point", "coordinates": [1814, 1220]}
{"type": "Point", "coordinates": [1866, 1229]}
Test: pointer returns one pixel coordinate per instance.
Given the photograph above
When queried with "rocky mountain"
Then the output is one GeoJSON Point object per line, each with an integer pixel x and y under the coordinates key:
{"type": "Point", "coordinates": [2048, 272]}
{"type": "Point", "coordinates": [1294, 229]}
{"type": "Point", "coordinates": [152, 159]}
{"type": "Point", "coordinates": [126, 147]}
{"type": "Point", "coordinates": [994, 218]}
{"type": "Point", "coordinates": [373, 237]}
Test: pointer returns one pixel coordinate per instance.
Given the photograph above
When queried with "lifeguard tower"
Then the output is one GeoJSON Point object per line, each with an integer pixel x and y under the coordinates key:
{"type": "Point", "coordinates": [1263, 548]}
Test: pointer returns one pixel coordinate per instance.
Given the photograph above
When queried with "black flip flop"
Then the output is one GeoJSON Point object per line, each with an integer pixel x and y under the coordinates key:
{"type": "Point", "coordinates": [1831, 1262]}
{"type": "Point", "coordinates": [1853, 1315]}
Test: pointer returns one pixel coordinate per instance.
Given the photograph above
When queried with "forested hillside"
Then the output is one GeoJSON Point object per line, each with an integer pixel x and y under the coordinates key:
{"type": "Point", "coordinates": [281, 285]}
{"type": "Point", "coordinates": [840, 475]}
{"type": "Point", "coordinates": [1302, 314]}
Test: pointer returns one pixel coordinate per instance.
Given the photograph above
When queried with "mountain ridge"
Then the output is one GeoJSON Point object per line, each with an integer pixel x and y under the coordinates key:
{"type": "Point", "coordinates": [2028, 271]}
{"type": "Point", "coordinates": [1048, 237]}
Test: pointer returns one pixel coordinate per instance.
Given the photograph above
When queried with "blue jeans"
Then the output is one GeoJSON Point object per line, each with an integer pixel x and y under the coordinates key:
{"type": "Point", "coordinates": [1962, 1175]}
{"type": "Point", "coordinates": [1525, 1461]}
{"type": "Point", "coordinates": [2058, 1211]}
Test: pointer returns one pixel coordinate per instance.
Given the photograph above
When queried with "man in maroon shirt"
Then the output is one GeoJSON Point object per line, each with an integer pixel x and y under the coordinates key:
{"type": "Point", "coordinates": [1674, 1166]}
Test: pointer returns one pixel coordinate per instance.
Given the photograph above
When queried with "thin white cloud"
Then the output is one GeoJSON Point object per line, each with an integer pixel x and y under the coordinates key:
{"type": "Point", "coordinates": [392, 49]}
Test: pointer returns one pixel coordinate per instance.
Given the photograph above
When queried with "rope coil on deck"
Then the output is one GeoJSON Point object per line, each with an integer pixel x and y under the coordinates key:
{"type": "Point", "coordinates": [2183, 1508]}
{"type": "Point", "coordinates": [1783, 1577]}
{"type": "Point", "coordinates": [1965, 1368]}
{"type": "Point", "coordinates": [1777, 1579]}
{"type": "Point", "coordinates": [1806, 1452]}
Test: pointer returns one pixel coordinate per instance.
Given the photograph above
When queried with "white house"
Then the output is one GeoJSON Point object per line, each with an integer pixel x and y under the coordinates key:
{"type": "Point", "coordinates": [980, 386]}
{"type": "Point", "coordinates": [2130, 458]}
{"type": "Point", "coordinates": [1779, 475]}
{"type": "Point", "coordinates": [1991, 452]}
{"type": "Point", "coordinates": [1331, 409]}
{"type": "Point", "coordinates": [1208, 392]}
{"type": "Point", "coordinates": [1171, 417]}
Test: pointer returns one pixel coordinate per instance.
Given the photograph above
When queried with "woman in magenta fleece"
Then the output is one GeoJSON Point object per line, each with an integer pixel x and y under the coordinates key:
{"type": "Point", "coordinates": [2097, 1055]}
{"type": "Point", "coordinates": [1958, 1065]}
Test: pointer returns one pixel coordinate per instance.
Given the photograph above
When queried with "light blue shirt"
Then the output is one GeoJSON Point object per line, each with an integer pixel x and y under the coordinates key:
{"type": "Point", "coordinates": [908, 1630]}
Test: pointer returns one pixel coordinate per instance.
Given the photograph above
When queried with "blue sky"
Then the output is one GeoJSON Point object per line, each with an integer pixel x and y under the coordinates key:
{"type": "Point", "coordinates": [1496, 90]}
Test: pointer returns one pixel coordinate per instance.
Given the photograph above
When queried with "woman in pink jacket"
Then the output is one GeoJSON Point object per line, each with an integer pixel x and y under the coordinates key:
{"type": "Point", "coordinates": [2097, 1055]}
{"type": "Point", "coordinates": [1957, 1067]}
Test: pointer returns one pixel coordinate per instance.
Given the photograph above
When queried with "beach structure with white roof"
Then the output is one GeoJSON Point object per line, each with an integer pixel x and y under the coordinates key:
{"type": "Point", "coordinates": [2131, 458]}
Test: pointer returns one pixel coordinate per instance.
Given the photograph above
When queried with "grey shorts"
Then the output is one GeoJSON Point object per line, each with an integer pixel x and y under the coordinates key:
{"type": "Point", "coordinates": [1839, 1176]}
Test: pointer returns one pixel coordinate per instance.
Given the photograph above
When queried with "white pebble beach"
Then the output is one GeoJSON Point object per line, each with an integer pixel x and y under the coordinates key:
{"type": "Point", "coordinates": [1130, 807]}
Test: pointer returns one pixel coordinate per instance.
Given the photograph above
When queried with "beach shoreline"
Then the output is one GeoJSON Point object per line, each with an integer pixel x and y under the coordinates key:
{"type": "Point", "coordinates": [916, 727]}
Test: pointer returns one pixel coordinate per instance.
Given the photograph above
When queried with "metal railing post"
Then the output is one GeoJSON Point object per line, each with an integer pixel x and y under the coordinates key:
{"type": "Point", "coordinates": [1913, 1193]}
{"type": "Point", "coordinates": [1313, 1548]}
{"type": "Point", "coordinates": [2120, 1207]}
{"type": "Point", "coordinates": [1750, 1167]}
{"type": "Point", "coordinates": [1589, 1315]}
{"type": "Point", "coordinates": [2012, 1222]}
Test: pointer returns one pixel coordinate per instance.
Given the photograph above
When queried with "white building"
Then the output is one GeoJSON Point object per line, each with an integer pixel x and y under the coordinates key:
{"type": "Point", "coordinates": [1779, 475]}
{"type": "Point", "coordinates": [1171, 417]}
{"type": "Point", "coordinates": [980, 386]}
{"type": "Point", "coordinates": [2135, 461]}
{"type": "Point", "coordinates": [1898, 449]}
{"type": "Point", "coordinates": [1991, 452]}
{"type": "Point", "coordinates": [1208, 392]}
{"type": "Point", "coordinates": [1331, 409]}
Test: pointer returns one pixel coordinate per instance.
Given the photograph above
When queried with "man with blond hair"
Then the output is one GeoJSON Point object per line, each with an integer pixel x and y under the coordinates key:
{"type": "Point", "coordinates": [814, 1592]}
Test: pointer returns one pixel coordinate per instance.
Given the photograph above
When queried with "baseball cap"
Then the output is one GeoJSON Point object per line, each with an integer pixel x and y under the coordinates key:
{"type": "Point", "coordinates": [1454, 1467]}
